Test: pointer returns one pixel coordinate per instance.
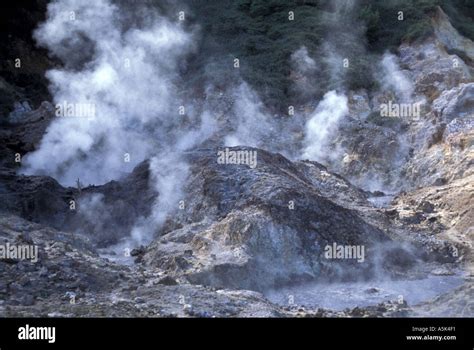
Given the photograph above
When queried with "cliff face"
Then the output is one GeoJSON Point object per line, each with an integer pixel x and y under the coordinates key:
{"type": "Point", "coordinates": [237, 229]}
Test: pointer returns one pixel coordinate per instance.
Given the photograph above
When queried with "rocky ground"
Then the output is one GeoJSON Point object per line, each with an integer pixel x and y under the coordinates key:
{"type": "Point", "coordinates": [209, 256]}
{"type": "Point", "coordinates": [72, 280]}
{"type": "Point", "coordinates": [242, 231]}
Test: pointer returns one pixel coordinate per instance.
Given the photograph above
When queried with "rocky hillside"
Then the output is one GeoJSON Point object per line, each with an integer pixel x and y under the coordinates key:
{"type": "Point", "coordinates": [400, 187]}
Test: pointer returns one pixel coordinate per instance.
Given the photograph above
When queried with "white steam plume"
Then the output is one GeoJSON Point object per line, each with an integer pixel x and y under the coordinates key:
{"type": "Point", "coordinates": [124, 69]}
{"type": "Point", "coordinates": [323, 124]}
{"type": "Point", "coordinates": [169, 172]}
{"type": "Point", "coordinates": [394, 79]}
{"type": "Point", "coordinates": [123, 59]}
{"type": "Point", "coordinates": [303, 70]}
{"type": "Point", "coordinates": [344, 39]}
{"type": "Point", "coordinates": [303, 62]}
{"type": "Point", "coordinates": [251, 125]}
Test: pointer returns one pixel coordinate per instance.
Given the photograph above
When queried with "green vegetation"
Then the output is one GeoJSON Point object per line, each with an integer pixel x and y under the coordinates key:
{"type": "Point", "coordinates": [260, 35]}
{"type": "Point", "coordinates": [386, 31]}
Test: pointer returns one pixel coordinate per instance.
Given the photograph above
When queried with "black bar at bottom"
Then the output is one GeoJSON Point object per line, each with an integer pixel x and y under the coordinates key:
{"type": "Point", "coordinates": [406, 333]}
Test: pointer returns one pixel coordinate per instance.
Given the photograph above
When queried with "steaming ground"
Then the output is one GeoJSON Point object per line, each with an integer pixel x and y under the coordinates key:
{"type": "Point", "coordinates": [130, 69]}
{"type": "Point", "coordinates": [348, 295]}
{"type": "Point", "coordinates": [127, 72]}
{"type": "Point", "coordinates": [323, 124]}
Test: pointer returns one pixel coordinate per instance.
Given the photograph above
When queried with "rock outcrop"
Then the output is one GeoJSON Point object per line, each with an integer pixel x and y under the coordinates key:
{"type": "Point", "coordinates": [71, 280]}
{"type": "Point", "coordinates": [257, 228]}
{"type": "Point", "coordinates": [450, 37]}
